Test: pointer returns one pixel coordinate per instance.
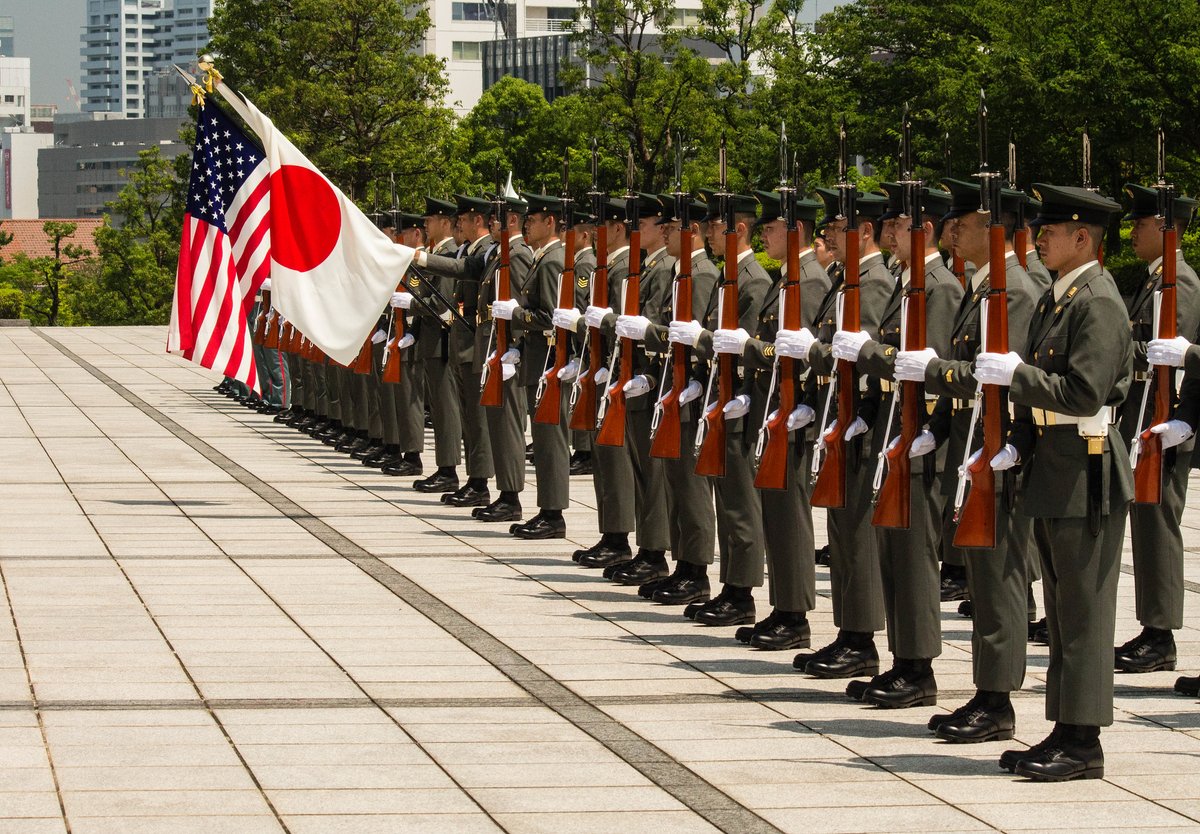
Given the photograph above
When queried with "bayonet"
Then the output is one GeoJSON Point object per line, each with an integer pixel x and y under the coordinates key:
{"type": "Point", "coordinates": [1087, 159]}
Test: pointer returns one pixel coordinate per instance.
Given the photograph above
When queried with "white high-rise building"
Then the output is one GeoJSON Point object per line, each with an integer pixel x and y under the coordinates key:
{"type": "Point", "coordinates": [125, 40]}
{"type": "Point", "coordinates": [14, 92]}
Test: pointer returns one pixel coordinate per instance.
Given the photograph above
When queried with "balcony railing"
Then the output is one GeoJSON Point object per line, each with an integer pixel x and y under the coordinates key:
{"type": "Point", "coordinates": [542, 24]}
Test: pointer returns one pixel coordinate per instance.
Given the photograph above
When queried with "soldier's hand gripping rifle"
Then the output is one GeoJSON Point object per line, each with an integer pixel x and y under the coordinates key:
{"type": "Point", "coordinates": [666, 425]}
{"type": "Point", "coordinates": [613, 409]}
{"type": "Point", "coordinates": [1148, 449]}
{"type": "Point", "coordinates": [771, 450]}
{"type": "Point", "coordinates": [584, 391]}
{"type": "Point", "coordinates": [491, 386]}
{"type": "Point", "coordinates": [549, 393]}
{"type": "Point", "coordinates": [893, 503]}
{"type": "Point", "coordinates": [977, 516]}
{"type": "Point", "coordinates": [711, 428]}
{"type": "Point", "coordinates": [391, 349]}
{"type": "Point", "coordinates": [830, 487]}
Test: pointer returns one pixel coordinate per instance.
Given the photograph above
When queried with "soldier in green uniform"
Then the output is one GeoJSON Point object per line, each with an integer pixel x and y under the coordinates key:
{"type": "Point", "coordinates": [791, 578]}
{"type": "Point", "coordinates": [1155, 528]}
{"type": "Point", "coordinates": [1076, 482]}
{"type": "Point", "coordinates": [407, 396]}
{"type": "Point", "coordinates": [465, 364]}
{"type": "Point", "coordinates": [506, 423]}
{"type": "Point", "coordinates": [650, 489]}
{"type": "Point", "coordinates": [997, 578]}
{"type": "Point", "coordinates": [534, 318]}
{"type": "Point", "coordinates": [908, 557]}
{"type": "Point", "coordinates": [854, 564]}
{"type": "Point", "coordinates": [739, 508]}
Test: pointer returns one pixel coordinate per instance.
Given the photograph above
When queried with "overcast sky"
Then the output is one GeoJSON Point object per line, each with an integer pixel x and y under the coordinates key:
{"type": "Point", "coordinates": [48, 34]}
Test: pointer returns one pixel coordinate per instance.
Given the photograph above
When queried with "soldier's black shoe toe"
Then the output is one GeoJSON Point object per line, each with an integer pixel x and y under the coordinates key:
{"type": "Point", "coordinates": [581, 463]}
{"type": "Point", "coordinates": [792, 633]}
{"type": "Point", "coordinates": [980, 724]}
{"type": "Point", "coordinates": [403, 467]}
{"type": "Point", "coordinates": [284, 415]}
{"type": "Point", "coordinates": [966, 608]}
{"type": "Point", "coordinates": [601, 556]}
{"type": "Point", "coordinates": [962, 712]}
{"type": "Point", "coordinates": [727, 612]}
{"type": "Point", "coordinates": [855, 690]}
{"type": "Point", "coordinates": [437, 482]}
{"type": "Point", "coordinates": [1010, 758]}
{"type": "Point", "coordinates": [540, 527]}
{"type": "Point", "coordinates": [845, 662]}
{"type": "Point", "coordinates": [372, 448]}
{"type": "Point", "coordinates": [954, 589]}
{"type": "Point", "coordinates": [1187, 686]}
{"type": "Point", "coordinates": [639, 572]}
{"type": "Point", "coordinates": [1063, 762]}
{"type": "Point", "coordinates": [746, 633]}
{"type": "Point", "coordinates": [821, 556]}
{"type": "Point", "coordinates": [468, 496]}
{"type": "Point", "coordinates": [498, 510]}
{"type": "Point", "coordinates": [903, 691]}
{"type": "Point", "coordinates": [682, 591]}
{"type": "Point", "coordinates": [380, 456]}
{"type": "Point", "coordinates": [802, 660]}
{"type": "Point", "coordinates": [1038, 633]}
{"type": "Point", "coordinates": [1147, 653]}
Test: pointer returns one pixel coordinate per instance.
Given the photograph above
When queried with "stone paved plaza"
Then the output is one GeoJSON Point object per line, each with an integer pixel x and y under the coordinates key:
{"type": "Point", "coordinates": [211, 623]}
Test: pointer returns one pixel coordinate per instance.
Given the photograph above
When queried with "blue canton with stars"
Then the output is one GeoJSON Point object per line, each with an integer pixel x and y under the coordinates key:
{"type": "Point", "coordinates": [224, 156]}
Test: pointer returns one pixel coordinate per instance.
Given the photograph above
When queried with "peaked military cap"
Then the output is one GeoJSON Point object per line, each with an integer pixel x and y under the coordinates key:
{"type": "Point", "coordinates": [871, 206]}
{"type": "Point", "coordinates": [382, 220]}
{"type": "Point", "coordinates": [712, 206]}
{"type": "Point", "coordinates": [964, 197]}
{"type": "Point", "coordinates": [772, 208]}
{"type": "Point", "coordinates": [614, 210]}
{"type": "Point", "coordinates": [440, 208]}
{"type": "Point", "coordinates": [697, 213]}
{"type": "Point", "coordinates": [1145, 204]}
{"type": "Point", "coordinates": [583, 217]}
{"type": "Point", "coordinates": [895, 200]}
{"type": "Point", "coordinates": [542, 203]}
{"type": "Point", "coordinates": [935, 202]}
{"type": "Point", "coordinates": [1067, 203]}
{"type": "Point", "coordinates": [407, 220]}
{"type": "Point", "coordinates": [465, 203]}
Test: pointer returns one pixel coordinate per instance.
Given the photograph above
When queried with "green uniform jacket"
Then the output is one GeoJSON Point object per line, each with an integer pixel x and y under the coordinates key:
{"type": "Point", "coordinates": [704, 279]}
{"type": "Point", "coordinates": [432, 335]}
{"type": "Point", "coordinates": [466, 273]}
{"type": "Point", "coordinates": [534, 315]}
{"type": "Point", "coordinates": [520, 257]}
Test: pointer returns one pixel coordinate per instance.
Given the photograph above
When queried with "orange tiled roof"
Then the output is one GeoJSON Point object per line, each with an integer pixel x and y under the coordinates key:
{"type": "Point", "coordinates": [29, 238]}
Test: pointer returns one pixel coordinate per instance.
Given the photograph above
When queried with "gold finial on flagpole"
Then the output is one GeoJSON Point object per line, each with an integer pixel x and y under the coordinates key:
{"type": "Point", "coordinates": [193, 85]}
{"type": "Point", "coordinates": [211, 76]}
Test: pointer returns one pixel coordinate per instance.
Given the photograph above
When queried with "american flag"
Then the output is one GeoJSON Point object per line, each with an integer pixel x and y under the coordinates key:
{"type": "Point", "coordinates": [224, 255]}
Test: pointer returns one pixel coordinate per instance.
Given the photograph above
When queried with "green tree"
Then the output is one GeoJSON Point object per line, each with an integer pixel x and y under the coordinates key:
{"type": "Point", "coordinates": [44, 281]}
{"type": "Point", "coordinates": [508, 129]}
{"type": "Point", "coordinates": [346, 81]}
{"type": "Point", "coordinates": [138, 248]}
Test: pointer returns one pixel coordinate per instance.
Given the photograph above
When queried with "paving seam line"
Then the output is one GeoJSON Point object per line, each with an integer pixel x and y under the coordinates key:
{"type": "Point", "coordinates": [697, 794]}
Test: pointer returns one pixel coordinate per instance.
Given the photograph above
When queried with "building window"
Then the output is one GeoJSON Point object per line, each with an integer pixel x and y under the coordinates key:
{"type": "Point", "coordinates": [470, 11]}
{"type": "Point", "coordinates": [465, 51]}
{"type": "Point", "coordinates": [560, 13]}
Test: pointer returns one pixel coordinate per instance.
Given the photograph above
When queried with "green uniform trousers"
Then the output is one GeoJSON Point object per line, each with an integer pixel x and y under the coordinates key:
{"type": "Point", "coordinates": [649, 483]}
{"type": "Point", "coordinates": [692, 521]}
{"type": "Point", "coordinates": [908, 562]}
{"type": "Point", "coordinates": [474, 422]}
{"type": "Point", "coordinates": [854, 576]}
{"type": "Point", "coordinates": [551, 453]}
{"type": "Point", "coordinates": [791, 576]}
{"type": "Point", "coordinates": [1158, 549]}
{"type": "Point", "coordinates": [739, 514]}
{"type": "Point", "coordinates": [506, 431]}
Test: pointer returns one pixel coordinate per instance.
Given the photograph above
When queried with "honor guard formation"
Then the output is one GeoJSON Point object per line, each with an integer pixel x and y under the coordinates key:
{"type": "Point", "coordinates": [949, 371]}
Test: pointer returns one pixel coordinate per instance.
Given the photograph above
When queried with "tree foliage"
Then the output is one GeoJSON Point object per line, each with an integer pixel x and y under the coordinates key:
{"type": "Point", "coordinates": [43, 281]}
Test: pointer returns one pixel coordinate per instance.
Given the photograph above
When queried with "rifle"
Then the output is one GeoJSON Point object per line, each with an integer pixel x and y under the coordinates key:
{"type": "Point", "coordinates": [893, 501]}
{"type": "Point", "coordinates": [957, 265]}
{"type": "Point", "coordinates": [260, 321]}
{"type": "Point", "coordinates": [391, 351]}
{"type": "Point", "coordinates": [491, 386]}
{"type": "Point", "coordinates": [1148, 469]}
{"type": "Point", "coordinates": [711, 428]}
{"type": "Point", "coordinates": [977, 517]}
{"type": "Point", "coordinates": [771, 451]}
{"type": "Point", "coordinates": [612, 413]}
{"type": "Point", "coordinates": [666, 424]}
{"type": "Point", "coordinates": [549, 393]}
{"type": "Point", "coordinates": [1087, 176]}
{"type": "Point", "coordinates": [1021, 235]}
{"type": "Point", "coordinates": [830, 487]}
{"type": "Point", "coordinates": [583, 392]}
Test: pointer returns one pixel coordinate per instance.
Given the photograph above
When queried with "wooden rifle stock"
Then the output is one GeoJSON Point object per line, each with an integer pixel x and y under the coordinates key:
{"type": "Point", "coordinates": [549, 405]}
{"type": "Point", "coordinates": [612, 428]}
{"type": "Point", "coordinates": [260, 322]}
{"type": "Point", "coordinates": [977, 520]}
{"type": "Point", "coordinates": [271, 337]}
{"type": "Point", "coordinates": [1021, 245]}
{"type": "Point", "coordinates": [773, 465]}
{"type": "Point", "coordinates": [392, 365]}
{"type": "Point", "coordinates": [583, 417]}
{"type": "Point", "coordinates": [959, 267]}
{"type": "Point", "coordinates": [362, 363]}
{"type": "Point", "coordinates": [711, 459]}
{"type": "Point", "coordinates": [491, 392]}
{"type": "Point", "coordinates": [893, 507]}
{"type": "Point", "coordinates": [668, 439]}
{"type": "Point", "coordinates": [830, 488]}
{"type": "Point", "coordinates": [1148, 474]}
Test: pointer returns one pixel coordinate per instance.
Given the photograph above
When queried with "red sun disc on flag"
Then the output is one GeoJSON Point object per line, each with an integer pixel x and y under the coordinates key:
{"type": "Point", "coordinates": [306, 219]}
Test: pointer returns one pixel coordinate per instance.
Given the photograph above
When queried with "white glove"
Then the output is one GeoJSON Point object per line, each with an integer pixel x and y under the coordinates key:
{"type": "Point", "coordinates": [507, 372]}
{"type": "Point", "coordinates": [1167, 351]}
{"type": "Point", "coordinates": [794, 344]}
{"type": "Point", "coordinates": [730, 341]}
{"type": "Point", "coordinates": [996, 368]}
{"type": "Point", "coordinates": [636, 387]}
{"type": "Point", "coordinates": [422, 258]}
{"type": "Point", "coordinates": [512, 356]}
{"type": "Point", "coordinates": [446, 316]}
{"type": "Point", "coordinates": [739, 406]}
{"type": "Point", "coordinates": [911, 364]}
{"type": "Point", "coordinates": [1172, 432]}
{"type": "Point", "coordinates": [856, 428]}
{"type": "Point", "coordinates": [378, 336]}
{"type": "Point", "coordinates": [406, 341]}
{"type": "Point", "coordinates": [594, 315]}
{"type": "Point", "coordinates": [922, 444]}
{"type": "Point", "coordinates": [265, 286]}
{"type": "Point", "coordinates": [503, 309]}
{"type": "Point", "coordinates": [685, 333]}
{"type": "Point", "coordinates": [847, 345]}
{"type": "Point", "coordinates": [569, 371]}
{"type": "Point", "coordinates": [1006, 458]}
{"type": "Point", "coordinates": [632, 327]}
{"type": "Point", "coordinates": [602, 376]}
{"type": "Point", "coordinates": [692, 392]}
{"type": "Point", "coordinates": [401, 300]}
{"type": "Point", "coordinates": [566, 317]}
{"type": "Point", "coordinates": [801, 416]}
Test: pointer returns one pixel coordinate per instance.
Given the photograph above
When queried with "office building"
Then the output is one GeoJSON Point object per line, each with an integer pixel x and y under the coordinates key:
{"type": "Point", "coordinates": [14, 92]}
{"type": "Point", "coordinates": [19, 147]}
